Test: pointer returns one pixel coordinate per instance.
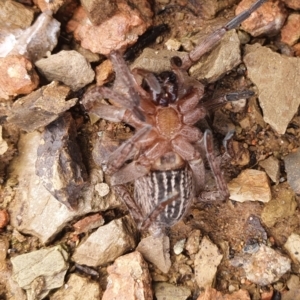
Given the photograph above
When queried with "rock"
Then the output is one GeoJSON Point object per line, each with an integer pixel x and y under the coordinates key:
{"type": "Point", "coordinates": [118, 32]}
{"type": "Point", "coordinates": [206, 262]}
{"type": "Point", "coordinates": [282, 205]}
{"type": "Point", "coordinates": [223, 58]}
{"type": "Point", "coordinates": [39, 39]}
{"type": "Point", "coordinates": [179, 246]}
{"type": "Point", "coordinates": [167, 291]}
{"type": "Point", "coordinates": [4, 245]}
{"type": "Point", "coordinates": [193, 242]}
{"type": "Point", "coordinates": [155, 61]}
{"type": "Point", "coordinates": [272, 168]}
{"type": "Point", "coordinates": [268, 19]}
{"type": "Point", "coordinates": [69, 67]}
{"type": "Point", "coordinates": [107, 243]}
{"type": "Point", "coordinates": [157, 251]}
{"type": "Point", "coordinates": [17, 76]}
{"type": "Point", "coordinates": [263, 265]}
{"type": "Point", "coordinates": [293, 4]}
{"type": "Point", "coordinates": [212, 294]}
{"type": "Point", "coordinates": [292, 165]}
{"type": "Point", "coordinates": [296, 49]}
{"type": "Point", "coordinates": [78, 287]}
{"type": "Point", "coordinates": [292, 247]}
{"type": "Point", "coordinates": [4, 218]}
{"type": "Point", "coordinates": [15, 15]}
{"type": "Point", "coordinates": [89, 55]}
{"type": "Point", "coordinates": [41, 107]}
{"type": "Point", "coordinates": [290, 33]}
{"type": "Point", "coordinates": [102, 189]}
{"type": "Point", "coordinates": [59, 161]}
{"type": "Point", "coordinates": [45, 5]}
{"type": "Point", "coordinates": [98, 10]}
{"type": "Point", "coordinates": [40, 271]}
{"type": "Point", "coordinates": [33, 210]}
{"type": "Point", "coordinates": [172, 44]}
{"type": "Point", "coordinates": [3, 143]}
{"type": "Point", "coordinates": [250, 185]}
{"type": "Point", "coordinates": [276, 99]}
{"type": "Point", "coordinates": [104, 72]}
{"type": "Point", "coordinates": [88, 223]}
{"type": "Point", "coordinates": [129, 278]}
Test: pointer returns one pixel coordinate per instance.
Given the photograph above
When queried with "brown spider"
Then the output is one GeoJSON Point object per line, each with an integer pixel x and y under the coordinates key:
{"type": "Point", "coordinates": [166, 167]}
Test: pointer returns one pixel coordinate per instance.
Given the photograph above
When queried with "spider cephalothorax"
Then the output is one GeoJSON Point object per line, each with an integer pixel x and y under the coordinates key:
{"type": "Point", "coordinates": [163, 156]}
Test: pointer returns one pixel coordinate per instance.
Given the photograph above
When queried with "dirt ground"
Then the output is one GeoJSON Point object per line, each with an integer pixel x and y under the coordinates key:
{"type": "Point", "coordinates": [230, 225]}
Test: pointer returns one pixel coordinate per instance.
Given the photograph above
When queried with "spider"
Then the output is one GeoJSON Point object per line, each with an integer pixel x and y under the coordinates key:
{"type": "Point", "coordinates": [163, 156]}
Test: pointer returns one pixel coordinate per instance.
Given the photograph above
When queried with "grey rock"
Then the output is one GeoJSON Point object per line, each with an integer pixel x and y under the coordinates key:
{"type": "Point", "coordinates": [292, 166]}
{"type": "Point", "coordinates": [223, 58]}
{"type": "Point", "coordinates": [155, 61]}
{"type": "Point", "coordinates": [40, 271]}
{"type": "Point", "coordinates": [33, 210]}
{"type": "Point", "coordinates": [41, 107]}
{"type": "Point", "coordinates": [107, 243]}
{"type": "Point", "coordinates": [69, 67]}
{"type": "Point", "coordinates": [157, 251]}
{"type": "Point", "coordinates": [129, 278]}
{"type": "Point", "coordinates": [167, 291]}
{"type": "Point", "coordinates": [264, 266]}
{"type": "Point", "coordinates": [276, 77]}
{"type": "Point", "coordinates": [272, 167]}
{"type": "Point", "coordinates": [78, 288]}
{"type": "Point", "coordinates": [59, 161]}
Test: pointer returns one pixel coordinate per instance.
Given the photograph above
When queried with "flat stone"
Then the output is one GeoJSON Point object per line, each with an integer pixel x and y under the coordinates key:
{"type": "Point", "coordinates": [268, 19]}
{"type": "Point", "coordinates": [15, 15]}
{"type": "Point", "coordinates": [17, 76]}
{"type": "Point", "coordinates": [206, 263]}
{"type": "Point", "coordinates": [118, 32]}
{"type": "Point", "coordinates": [107, 243]}
{"type": "Point", "coordinates": [282, 205]}
{"type": "Point", "coordinates": [272, 167]}
{"type": "Point", "coordinates": [40, 271]}
{"type": "Point", "coordinates": [292, 165]}
{"type": "Point", "coordinates": [157, 251]}
{"type": "Point", "coordinates": [250, 185]}
{"type": "Point", "coordinates": [69, 67]}
{"type": "Point", "coordinates": [263, 266]}
{"type": "Point", "coordinates": [41, 107]}
{"type": "Point", "coordinates": [223, 58]}
{"type": "Point", "coordinates": [129, 278]}
{"type": "Point", "coordinates": [292, 246]}
{"type": "Point", "coordinates": [167, 291]}
{"type": "Point", "coordinates": [33, 210]}
{"type": "Point", "coordinates": [276, 77]}
{"type": "Point", "coordinates": [156, 61]}
{"type": "Point", "coordinates": [78, 288]}
{"type": "Point", "coordinates": [59, 161]}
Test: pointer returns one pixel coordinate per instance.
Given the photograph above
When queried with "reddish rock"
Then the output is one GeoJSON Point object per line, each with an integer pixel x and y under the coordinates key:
{"type": "Point", "coordinates": [297, 49]}
{"type": "Point", "coordinates": [17, 76]}
{"type": "Point", "coordinates": [104, 72]}
{"type": "Point", "coordinates": [118, 32]}
{"type": "Point", "coordinates": [290, 33]}
{"type": "Point", "coordinates": [4, 218]}
{"type": "Point", "coordinates": [293, 4]}
{"type": "Point", "coordinates": [210, 294]}
{"type": "Point", "coordinates": [268, 19]}
{"type": "Point", "coordinates": [129, 279]}
{"type": "Point", "coordinates": [88, 223]}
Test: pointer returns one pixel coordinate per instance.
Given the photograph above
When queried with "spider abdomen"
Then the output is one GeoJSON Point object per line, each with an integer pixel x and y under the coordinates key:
{"type": "Point", "coordinates": [158, 186]}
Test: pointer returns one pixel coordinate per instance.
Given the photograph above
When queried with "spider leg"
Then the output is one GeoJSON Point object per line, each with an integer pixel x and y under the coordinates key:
{"type": "Point", "coordinates": [119, 156]}
{"type": "Point", "coordinates": [218, 102]}
{"type": "Point", "coordinates": [207, 143]}
{"type": "Point", "coordinates": [211, 40]}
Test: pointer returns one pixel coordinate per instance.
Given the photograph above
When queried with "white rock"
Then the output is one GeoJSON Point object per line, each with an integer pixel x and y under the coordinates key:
{"type": "Point", "coordinates": [292, 245]}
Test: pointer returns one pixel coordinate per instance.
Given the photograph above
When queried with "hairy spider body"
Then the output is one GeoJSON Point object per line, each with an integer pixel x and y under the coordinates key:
{"type": "Point", "coordinates": [163, 156]}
